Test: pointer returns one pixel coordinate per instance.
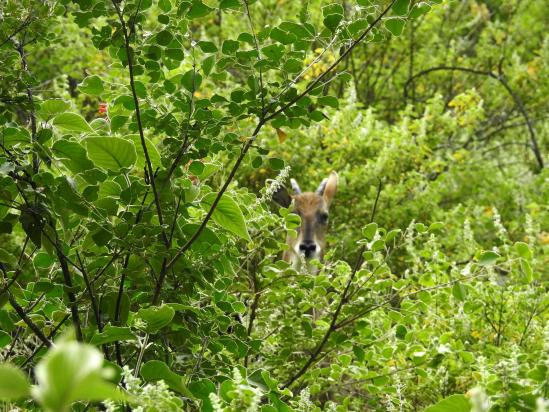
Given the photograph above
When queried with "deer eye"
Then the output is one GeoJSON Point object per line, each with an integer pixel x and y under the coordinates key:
{"type": "Point", "coordinates": [323, 217]}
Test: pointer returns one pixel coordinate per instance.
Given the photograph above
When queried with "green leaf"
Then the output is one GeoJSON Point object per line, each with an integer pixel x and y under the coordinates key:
{"type": "Point", "coordinates": [395, 25]}
{"type": "Point", "coordinates": [419, 9]}
{"type": "Point", "coordinates": [155, 370]}
{"type": "Point", "coordinates": [400, 8]}
{"type": "Point", "coordinates": [331, 21]}
{"type": "Point", "coordinates": [276, 164]}
{"type": "Point", "coordinates": [401, 331]}
{"type": "Point", "coordinates": [52, 107]}
{"type": "Point", "coordinates": [165, 5]}
{"type": "Point", "coordinates": [12, 136]}
{"type": "Point", "coordinates": [112, 153]}
{"type": "Point", "coordinates": [467, 357]}
{"type": "Point", "coordinates": [8, 258]}
{"type": "Point", "coordinates": [539, 373]}
{"type": "Point", "coordinates": [198, 9]}
{"type": "Point", "coordinates": [13, 383]}
{"type": "Point", "coordinates": [175, 54]}
{"type": "Point", "coordinates": [523, 250]}
{"type": "Point", "coordinates": [196, 167]}
{"type": "Point", "coordinates": [230, 4]}
{"type": "Point", "coordinates": [370, 230]}
{"type": "Point", "coordinates": [328, 101]}
{"type": "Point", "coordinates": [191, 80]}
{"type": "Point", "coordinates": [112, 334]}
{"type": "Point", "coordinates": [73, 155]}
{"type": "Point", "coordinates": [164, 37]}
{"type": "Point", "coordinates": [208, 64]}
{"type": "Point", "coordinates": [100, 125]}
{"type": "Point", "coordinates": [202, 388]}
{"type": "Point", "coordinates": [453, 403]}
{"type": "Point", "coordinates": [227, 214]}
{"type": "Point", "coordinates": [72, 122]}
{"type": "Point", "coordinates": [459, 291]}
{"type": "Point", "coordinates": [273, 52]}
{"type": "Point", "coordinates": [92, 85]}
{"type": "Point", "coordinates": [5, 339]}
{"type": "Point", "coordinates": [207, 46]}
{"type": "Point", "coordinates": [282, 36]}
{"type": "Point", "coordinates": [488, 258]}
{"type": "Point", "coordinates": [154, 154]}
{"type": "Point", "coordinates": [156, 317]}
{"type": "Point", "coordinates": [358, 26]}
{"type": "Point", "coordinates": [229, 46]}
{"type": "Point", "coordinates": [334, 8]}
{"type": "Point", "coordinates": [72, 371]}
{"type": "Point", "coordinates": [293, 65]}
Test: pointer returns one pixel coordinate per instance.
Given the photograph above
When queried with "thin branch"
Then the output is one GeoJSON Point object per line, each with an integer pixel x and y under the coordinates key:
{"type": "Point", "coordinates": [20, 49]}
{"type": "Point", "coordinates": [21, 27]}
{"type": "Point", "coordinates": [93, 301]}
{"type": "Point", "coordinates": [500, 78]}
{"type": "Point", "coordinates": [70, 294]}
{"type": "Point", "coordinates": [50, 336]}
{"type": "Point", "coordinates": [150, 170]}
{"type": "Point", "coordinates": [28, 321]}
{"type": "Point", "coordinates": [256, 44]}
{"type": "Point", "coordinates": [333, 65]}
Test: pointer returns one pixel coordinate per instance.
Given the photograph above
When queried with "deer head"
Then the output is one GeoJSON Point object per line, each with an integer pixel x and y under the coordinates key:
{"type": "Point", "coordinates": [313, 209]}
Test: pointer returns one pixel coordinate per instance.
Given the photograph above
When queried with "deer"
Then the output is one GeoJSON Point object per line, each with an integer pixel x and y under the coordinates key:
{"type": "Point", "coordinates": [313, 209]}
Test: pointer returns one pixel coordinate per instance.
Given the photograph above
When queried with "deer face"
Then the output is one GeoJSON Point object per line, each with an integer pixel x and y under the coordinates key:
{"type": "Point", "coordinates": [313, 209]}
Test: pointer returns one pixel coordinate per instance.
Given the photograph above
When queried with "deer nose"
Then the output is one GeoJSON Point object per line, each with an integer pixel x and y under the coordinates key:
{"type": "Point", "coordinates": [308, 247]}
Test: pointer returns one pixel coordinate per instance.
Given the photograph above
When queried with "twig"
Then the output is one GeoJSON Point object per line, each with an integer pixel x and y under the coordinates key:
{"type": "Point", "coordinates": [500, 78]}
{"type": "Point", "coordinates": [28, 321]}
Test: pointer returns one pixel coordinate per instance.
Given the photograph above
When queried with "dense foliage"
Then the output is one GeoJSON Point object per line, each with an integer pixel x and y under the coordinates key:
{"type": "Point", "coordinates": [141, 144]}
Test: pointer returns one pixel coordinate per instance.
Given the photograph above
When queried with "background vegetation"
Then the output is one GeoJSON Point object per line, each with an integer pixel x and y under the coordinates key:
{"type": "Point", "coordinates": [141, 142]}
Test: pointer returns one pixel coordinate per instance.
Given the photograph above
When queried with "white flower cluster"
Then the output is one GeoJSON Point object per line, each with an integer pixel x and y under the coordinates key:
{"type": "Point", "coordinates": [500, 229]}
{"type": "Point", "coordinates": [479, 400]}
{"type": "Point", "coordinates": [275, 184]}
{"type": "Point", "coordinates": [155, 396]}
{"type": "Point", "coordinates": [244, 397]}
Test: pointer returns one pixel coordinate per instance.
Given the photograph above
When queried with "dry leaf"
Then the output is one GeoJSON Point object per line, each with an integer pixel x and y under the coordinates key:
{"type": "Point", "coordinates": [282, 136]}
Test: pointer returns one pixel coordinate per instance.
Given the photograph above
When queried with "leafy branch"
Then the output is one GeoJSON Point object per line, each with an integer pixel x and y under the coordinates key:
{"type": "Point", "coordinates": [249, 142]}
{"type": "Point", "coordinates": [499, 77]}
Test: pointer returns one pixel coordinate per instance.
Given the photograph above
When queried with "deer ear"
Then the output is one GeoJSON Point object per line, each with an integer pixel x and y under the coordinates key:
{"type": "Point", "coordinates": [282, 197]}
{"type": "Point", "coordinates": [330, 188]}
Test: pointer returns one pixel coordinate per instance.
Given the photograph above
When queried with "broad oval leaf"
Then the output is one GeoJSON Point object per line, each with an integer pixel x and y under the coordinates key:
{"type": "Point", "coordinates": [112, 153]}
{"type": "Point", "coordinates": [92, 85]}
{"type": "Point", "coordinates": [72, 122]}
{"type": "Point", "coordinates": [13, 383]}
{"type": "Point", "coordinates": [453, 403]}
{"type": "Point", "coordinates": [156, 370]}
{"type": "Point", "coordinates": [400, 7]}
{"type": "Point", "coordinates": [523, 250]}
{"type": "Point", "coordinates": [11, 136]}
{"type": "Point", "coordinates": [227, 214]}
{"type": "Point", "coordinates": [488, 258]}
{"type": "Point", "coordinates": [154, 154]}
{"type": "Point", "coordinates": [112, 334]}
{"type": "Point", "coordinates": [395, 25]}
{"type": "Point", "coordinates": [70, 372]}
{"type": "Point", "coordinates": [202, 388]}
{"type": "Point", "coordinates": [49, 108]}
{"type": "Point", "coordinates": [73, 155]}
{"type": "Point", "coordinates": [156, 317]}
